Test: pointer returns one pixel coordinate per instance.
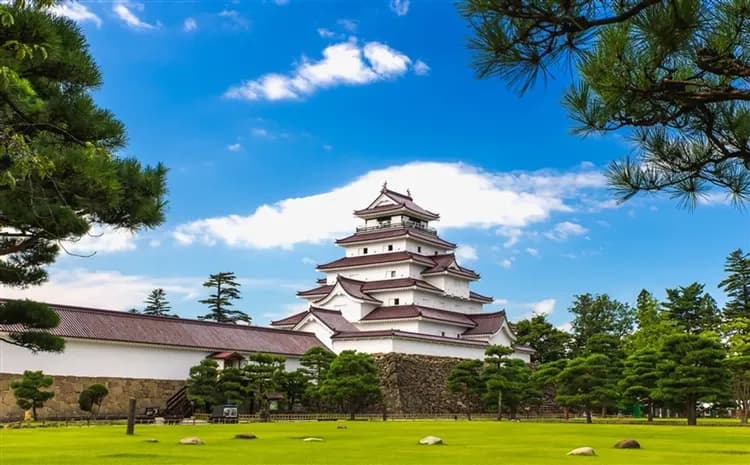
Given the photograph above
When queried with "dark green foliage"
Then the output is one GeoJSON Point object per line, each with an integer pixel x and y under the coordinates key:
{"type": "Point", "coordinates": [202, 385]}
{"type": "Point", "coordinates": [220, 302]}
{"type": "Point", "coordinates": [692, 309]}
{"type": "Point", "coordinates": [639, 379]}
{"type": "Point", "coordinates": [264, 375]}
{"type": "Point", "coordinates": [157, 304]}
{"type": "Point", "coordinates": [59, 172]}
{"type": "Point", "coordinates": [315, 364]}
{"type": "Point", "coordinates": [587, 382]}
{"type": "Point", "coordinates": [466, 379]}
{"type": "Point", "coordinates": [352, 382]}
{"type": "Point", "coordinates": [549, 342]}
{"type": "Point", "coordinates": [737, 285]}
{"type": "Point", "coordinates": [673, 75]}
{"type": "Point", "coordinates": [91, 399]}
{"type": "Point", "coordinates": [29, 393]}
{"type": "Point", "coordinates": [36, 319]}
{"type": "Point", "coordinates": [652, 325]}
{"type": "Point", "coordinates": [294, 385]}
{"type": "Point", "coordinates": [691, 370]}
{"type": "Point", "coordinates": [595, 315]}
{"type": "Point", "coordinates": [232, 386]}
{"type": "Point", "coordinates": [507, 381]}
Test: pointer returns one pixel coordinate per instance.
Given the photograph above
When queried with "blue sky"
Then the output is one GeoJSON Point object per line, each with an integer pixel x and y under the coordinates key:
{"type": "Point", "coordinates": [276, 119]}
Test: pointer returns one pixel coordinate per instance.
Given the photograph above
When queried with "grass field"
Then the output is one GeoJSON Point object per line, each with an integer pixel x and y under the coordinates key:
{"type": "Point", "coordinates": [376, 443]}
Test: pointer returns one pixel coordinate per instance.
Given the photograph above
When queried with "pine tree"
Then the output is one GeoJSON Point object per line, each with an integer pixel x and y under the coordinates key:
{"type": "Point", "coordinates": [60, 173]}
{"type": "Point", "coordinates": [157, 304]}
{"type": "Point", "coordinates": [652, 325]}
{"type": "Point", "coordinates": [692, 309]}
{"type": "Point", "coordinates": [466, 379]}
{"type": "Point", "coordinates": [596, 315]}
{"type": "Point", "coordinates": [737, 285]}
{"type": "Point", "coordinates": [202, 385]}
{"type": "Point", "coordinates": [220, 302]}
{"type": "Point", "coordinates": [352, 382]}
{"type": "Point", "coordinates": [639, 379]}
{"type": "Point", "coordinates": [549, 342]}
{"type": "Point", "coordinates": [673, 75]}
{"type": "Point", "coordinates": [29, 393]}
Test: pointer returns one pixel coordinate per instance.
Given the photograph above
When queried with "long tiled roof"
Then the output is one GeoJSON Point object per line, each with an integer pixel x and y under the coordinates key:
{"type": "Point", "coordinates": [405, 335]}
{"type": "Point", "coordinates": [447, 263]}
{"type": "Point", "coordinates": [393, 233]}
{"type": "Point", "coordinates": [401, 201]}
{"type": "Point", "coordinates": [374, 286]}
{"type": "Point", "coordinates": [477, 296]}
{"type": "Point", "coordinates": [354, 289]}
{"type": "Point", "coordinates": [486, 323]}
{"type": "Point", "coordinates": [377, 258]}
{"type": "Point", "coordinates": [413, 311]}
{"type": "Point", "coordinates": [109, 325]}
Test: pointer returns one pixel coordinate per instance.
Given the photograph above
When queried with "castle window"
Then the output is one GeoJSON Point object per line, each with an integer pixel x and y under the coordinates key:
{"type": "Point", "coordinates": [442, 333]}
{"type": "Point", "coordinates": [393, 273]}
{"type": "Point", "coordinates": [390, 247]}
{"type": "Point", "coordinates": [396, 301]}
{"type": "Point", "coordinates": [364, 251]}
{"type": "Point", "coordinates": [419, 248]}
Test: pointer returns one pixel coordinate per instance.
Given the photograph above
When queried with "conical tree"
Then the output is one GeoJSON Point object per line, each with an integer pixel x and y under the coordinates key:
{"type": "Point", "coordinates": [737, 285]}
{"type": "Point", "coordinates": [226, 290]}
{"type": "Point", "coordinates": [157, 304]}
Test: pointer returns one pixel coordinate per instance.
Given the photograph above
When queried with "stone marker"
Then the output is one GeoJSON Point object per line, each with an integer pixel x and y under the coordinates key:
{"type": "Point", "coordinates": [430, 441]}
{"type": "Point", "coordinates": [191, 441]}
{"type": "Point", "coordinates": [313, 439]}
{"type": "Point", "coordinates": [151, 440]}
{"type": "Point", "coordinates": [628, 444]}
{"type": "Point", "coordinates": [582, 451]}
{"type": "Point", "coordinates": [341, 426]}
{"type": "Point", "coordinates": [245, 436]}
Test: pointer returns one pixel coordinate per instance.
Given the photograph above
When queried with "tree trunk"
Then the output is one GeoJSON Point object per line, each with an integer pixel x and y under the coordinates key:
{"type": "Point", "coordinates": [351, 416]}
{"type": "Point", "coordinates": [650, 414]}
{"type": "Point", "coordinates": [33, 411]}
{"type": "Point", "coordinates": [691, 413]}
{"type": "Point", "coordinates": [604, 411]}
{"type": "Point", "coordinates": [588, 414]}
{"type": "Point", "coordinates": [743, 412]}
{"type": "Point", "coordinates": [499, 405]}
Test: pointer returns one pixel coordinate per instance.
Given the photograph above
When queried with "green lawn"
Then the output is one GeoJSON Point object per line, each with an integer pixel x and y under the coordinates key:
{"type": "Point", "coordinates": [370, 443]}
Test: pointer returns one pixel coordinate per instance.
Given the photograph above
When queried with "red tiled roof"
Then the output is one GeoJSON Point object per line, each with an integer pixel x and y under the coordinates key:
{"type": "Point", "coordinates": [413, 311]}
{"type": "Point", "coordinates": [372, 259]}
{"type": "Point", "coordinates": [354, 289]}
{"type": "Point", "coordinates": [393, 233]}
{"type": "Point", "coordinates": [476, 296]}
{"type": "Point", "coordinates": [447, 263]}
{"type": "Point", "coordinates": [401, 201]}
{"type": "Point", "coordinates": [386, 333]}
{"type": "Point", "coordinates": [330, 318]}
{"type": "Point", "coordinates": [486, 323]}
{"type": "Point", "coordinates": [320, 290]}
{"type": "Point", "coordinates": [226, 355]}
{"type": "Point", "coordinates": [109, 325]}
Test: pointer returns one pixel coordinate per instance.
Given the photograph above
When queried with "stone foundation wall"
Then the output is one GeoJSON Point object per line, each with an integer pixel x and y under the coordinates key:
{"type": "Point", "coordinates": [417, 384]}
{"type": "Point", "coordinates": [148, 392]}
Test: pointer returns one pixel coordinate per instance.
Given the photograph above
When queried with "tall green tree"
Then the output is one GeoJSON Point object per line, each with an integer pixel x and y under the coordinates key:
{"type": "Point", "coordinates": [738, 362]}
{"type": "Point", "coordinates": [60, 174]}
{"type": "Point", "coordinates": [595, 315]}
{"type": "Point", "coordinates": [639, 379]}
{"type": "Point", "coordinates": [220, 302]}
{"type": "Point", "coordinates": [587, 382]}
{"type": "Point", "coordinates": [157, 304]}
{"type": "Point", "coordinates": [231, 386]}
{"type": "Point", "coordinates": [737, 285]}
{"type": "Point", "coordinates": [29, 391]}
{"type": "Point", "coordinates": [466, 380]}
{"type": "Point", "coordinates": [264, 374]}
{"type": "Point", "coordinates": [315, 362]}
{"type": "Point", "coordinates": [294, 385]}
{"type": "Point", "coordinates": [507, 381]}
{"type": "Point", "coordinates": [692, 309]}
{"type": "Point", "coordinates": [691, 370]}
{"type": "Point", "coordinates": [652, 326]}
{"type": "Point", "coordinates": [352, 382]}
{"type": "Point", "coordinates": [549, 342]}
{"type": "Point", "coordinates": [202, 385]}
{"type": "Point", "coordinates": [672, 75]}
{"type": "Point", "coordinates": [496, 359]}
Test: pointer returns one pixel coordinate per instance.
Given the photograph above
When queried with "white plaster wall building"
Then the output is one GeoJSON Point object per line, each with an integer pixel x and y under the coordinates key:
{"type": "Point", "coordinates": [399, 288]}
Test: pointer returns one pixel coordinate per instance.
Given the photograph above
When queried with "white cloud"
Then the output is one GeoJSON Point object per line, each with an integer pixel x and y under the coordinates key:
{"type": "Point", "coordinates": [564, 230]}
{"type": "Point", "coordinates": [125, 13]}
{"type": "Point", "coordinates": [348, 24]}
{"type": "Point", "coordinates": [189, 25]}
{"type": "Point", "coordinates": [421, 68]}
{"type": "Point", "coordinates": [154, 243]}
{"type": "Point", "coordinates": [473, 199]}
{"type": "Point", "coordinates": [543, 307]}
{"type": "Point", "coordinates": [344, 63]}
{"type": "Point", "coordinates": [327, 33]}
{"type": "Point", "coordinates": [102, 240]}
{"type": "Point", "coordinates": [513, 235]}
{"type": "Point", "coordinates": [260, 132]}
{"type": "Point", "coordinates": [281, 2]}
{"type": "Point", "coordinates": [327, 147]}
{"type": "Point", "coordinates": [507, 263]}
{"type": "Point", "coordinates": [235, 18]}
{"type": "Point", "coordinates": [400, 7]}
{"type": "Point", "coordinates": [309, 261]}
{"type": "Point", "coordinates": [105, 289]}
{"type": "Point", "coordinates": [74, 10]}
{"type": "Point", "coordinates": [532, 251]}
{"type": "Point", "coordinates": [234, 147]}
{"type": "Point", "coordinates": [466, 253]}
{"type": "Point", "coordinates": [567, 327]}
